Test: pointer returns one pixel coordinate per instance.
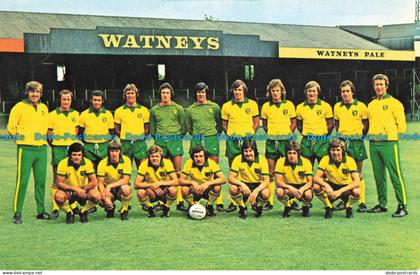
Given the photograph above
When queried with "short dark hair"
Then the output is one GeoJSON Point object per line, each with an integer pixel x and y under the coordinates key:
{"type": "Point", "coordinates": [166, 85]}
{"type": "Point", "coordinates": [196, 150]}
{"type": "Point", "coordinates": [249, 144]}
{"type": "Point", "coordinates": [201, 86]}
{"type": "Point", "coordinates": [75, 147]}
{"type": "Point", "coordinates": [97, 93]}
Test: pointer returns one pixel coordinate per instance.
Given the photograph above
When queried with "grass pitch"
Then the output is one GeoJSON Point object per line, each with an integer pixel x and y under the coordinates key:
{"type": "Point", "coordinates": [369, 241]}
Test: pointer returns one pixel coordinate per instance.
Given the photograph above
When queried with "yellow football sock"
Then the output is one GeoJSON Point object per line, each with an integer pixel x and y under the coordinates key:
{"type": "Point", "coordinates": [73, 205]}
{"type": "Point", "coordinates": [146, 201]}
{"type": "Point", "coordinates": [261, 202]}
{"type": "Point", "coordinates": [324, 198]}
{"type": "Point", "coordinates": [220, 198]}
{"type": "Point", "coordinates": [212, 197]}
{"type": "Point", "coordinates": [179, 198]}
{"type": "Point", "coordinates": [55, 205]}
{"type": "Point", "coordinates": [170, 200]}
{"type": "Point", "coordinates": [239, 200]}
{"type": "Point", "coordinates": [125, 202]}
{"type": "Point", "coordinates": [89, 205]}
{"type": "Point", "coordinates": [189, 199]}
{"type": "Point", "coordinates": [352, 200]}
{"type": "Point", "coordinates": [285, 200]}
{"type": "Point", "coordinates": [66, 207]}
{"type": "Point", "coordinates": [271, 186]}
{"type": "Point", "coordinates": [362, 191]}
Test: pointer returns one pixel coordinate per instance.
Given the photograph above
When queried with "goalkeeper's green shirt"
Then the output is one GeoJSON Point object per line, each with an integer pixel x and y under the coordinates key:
{"type": "Point", "coordinates": [167, 120]}
{"type": "Point", "coordinates": [203, 119]}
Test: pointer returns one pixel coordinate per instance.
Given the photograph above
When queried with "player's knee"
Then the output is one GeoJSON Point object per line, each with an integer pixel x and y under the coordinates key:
{"type": "Point", "coordinates": [233, 190]}
{"type": "Point", "coordinates": [172, 191]}
{"type": "Point", "coordinates": [265, 194]}
{"type": "Point", "coordinates": [185, 191]}
{"type": "Point", "coordinates": [216, 189]}
{"type": "Point", "coordinates": [280, 193]}
{"type": "Point", "coordinates": [317, 188]}
{"type": "Point", "coordinates": [126, 190]}
{"type": "Point", "coordinates": [141, 194]}
{"type": "Point", "coordinates": [355, 192]}
{"type": "Point", "coordinates": [94, 196]}
{"type": "Point", "coordinates": [307, 195]}
{"type": "Point", "coordinates": [60, 197]}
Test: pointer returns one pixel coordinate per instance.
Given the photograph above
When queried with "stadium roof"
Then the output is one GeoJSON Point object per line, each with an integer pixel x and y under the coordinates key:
{"type": "Point", "coordinates": [383, 32]}
{"type": "Point", "coordinates": [15, 24]}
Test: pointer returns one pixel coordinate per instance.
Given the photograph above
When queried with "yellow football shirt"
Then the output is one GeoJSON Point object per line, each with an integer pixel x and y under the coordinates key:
{"type": "Point", "coordinates": [132, 120]}
{"type": "Point", "coordinates": [294, 173]}
{"type": "Point", "coordinates": [201, 174]}
{"type": "Point", "coordinates": [314, 117]}
{"type": "Point", "coordinates": [250, 172]}
{"type": "Point", "coordinates": [350, 117]}
{"type": "Point", "coordinates": [152, 174]}
{"type": "Point", "coordinates": [240, 117]}
{"type": "Point", "coordinates": [338, 173]}
{"type": "Point", "coordinates": [75, 175]}
{"type": "Point", "coordinates": [114, 172]}
{"type": "Point", "coordinates": [386, 117]}
{"type": "Point", "coordinates": [29, 123]}
{"type": "Point", "coordinates": [63, 126]}
{"type": "Point", "coordinates": [96, 124]}
{"type": "Point", "coordinates": [278, 117]}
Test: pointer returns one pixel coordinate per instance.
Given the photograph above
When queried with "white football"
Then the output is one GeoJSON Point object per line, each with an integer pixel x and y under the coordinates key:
{"type": "Point", "coordinates": [197, 212]}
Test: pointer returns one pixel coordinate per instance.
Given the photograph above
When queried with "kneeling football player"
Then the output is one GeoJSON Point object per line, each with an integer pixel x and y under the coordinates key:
{"type": "Point", "coordinates": [337, 177]}
{"type": "Point", "coordinates": [294, 179]}
{"type": "Point", "coordinates": [249, 179]}
{"type": "Point", "coordinates": [201, 178]}
{"type": "Point", "coordinates": [114, 174]}
{"type": "Point", "coordinates": [156, 180]}
{"type": "Point", "coordinates": [76, 181]}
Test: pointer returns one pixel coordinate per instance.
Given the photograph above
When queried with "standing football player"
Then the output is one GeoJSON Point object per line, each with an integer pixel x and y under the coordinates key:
{"type": "Point", "coordinates": [167, 126]}
{"type": "Point", "coordinates": [132, 125]}
{"type": "Point", "coordinates": [351, 124]}
{"type": "Point", "coordinates": [28, 118]}
{"type": "Point", "coordinates": [203, 122]}
{"type": "Point", "coordinates": [96, 128]}
{"type": "Point", "coordinates": [279, 122]}
{"type": "Point", "coordinates": [239, 119]}
{"type": "Point", "coordinates": [387, 121]}
{"type": "Point", "coordinates": [62, 130]}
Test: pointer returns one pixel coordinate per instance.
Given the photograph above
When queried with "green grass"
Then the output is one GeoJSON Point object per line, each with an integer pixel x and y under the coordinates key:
{"type": "Point", "coordinates": [369, 241]}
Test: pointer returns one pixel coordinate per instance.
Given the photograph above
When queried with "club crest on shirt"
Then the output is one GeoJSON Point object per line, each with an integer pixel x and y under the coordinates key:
{"type": "Point", "coordinates": [210, 110]}
{"type": "Point", "coordinates": [345, 171]}
{"type": "Point", "coordinates": [354, 112]}
{"type": "Point", "coordinates": [301, 174]}
{"type": "Point", "coordinates": [285, 112]}
{"type": "Point", "coordinates": [82, 173]}
{"type": "Point", "coordinates": [175, 111]}
{"type": "Point", "coordinates": [120, 171]}
{"type": "Point", "coordinates": [247, 111]}
{"type": "Point", "coordinates": [104, 119]}
{"type": "Point", "coordinates": [257, 171]}
{"type": "Point", "coordinates": [162, 174]}
{"type": "Point", "coordinates": [139, 116]}
{"type": "Point", "coordinates": [319, 112]}
{"type": "Point", "coordinates": [73, 119]}
{"type": "Point", "coordinates": [207, 174]}
{"type": "Point", "coordinates": [385, 107]}
{"type": "Point", "coordinates": [43, 113]}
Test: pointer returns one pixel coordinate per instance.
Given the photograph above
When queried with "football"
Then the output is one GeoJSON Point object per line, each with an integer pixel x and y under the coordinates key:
{"type": "Point", "coordinates": [197, 212]}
